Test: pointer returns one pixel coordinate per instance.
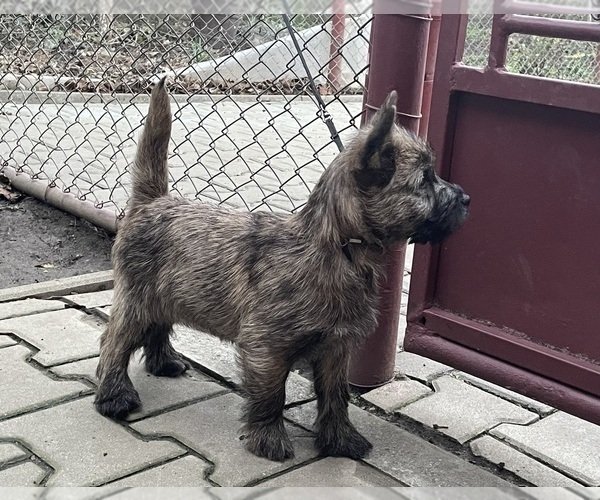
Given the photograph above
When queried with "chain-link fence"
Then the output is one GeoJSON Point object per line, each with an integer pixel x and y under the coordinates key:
{"type": "Point", "coordinates": [247, 131]}
{"type": "Point", "coordinates": [537, 56]}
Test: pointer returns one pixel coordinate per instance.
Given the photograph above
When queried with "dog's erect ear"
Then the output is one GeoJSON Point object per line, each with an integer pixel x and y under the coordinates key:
{"type": "Point", "coordinates": [378, 163]}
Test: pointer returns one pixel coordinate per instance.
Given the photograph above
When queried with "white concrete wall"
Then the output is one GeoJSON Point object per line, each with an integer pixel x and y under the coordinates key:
{"type": "Point", "coordinates": [278, 60]}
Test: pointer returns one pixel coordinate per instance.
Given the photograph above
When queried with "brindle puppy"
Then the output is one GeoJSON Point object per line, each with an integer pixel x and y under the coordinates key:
{"type": "Point", "coordinates": [281, 287]}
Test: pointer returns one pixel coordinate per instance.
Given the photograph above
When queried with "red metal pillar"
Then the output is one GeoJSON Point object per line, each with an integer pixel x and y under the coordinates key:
{"type": "Point", "coordinates": [338, 25]}
{"type": "Point", "coordinates": [397, 55]}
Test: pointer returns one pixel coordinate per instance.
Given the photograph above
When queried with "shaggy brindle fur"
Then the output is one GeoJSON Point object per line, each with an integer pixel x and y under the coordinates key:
{"type": "Point", "coordinates": [281, 287]}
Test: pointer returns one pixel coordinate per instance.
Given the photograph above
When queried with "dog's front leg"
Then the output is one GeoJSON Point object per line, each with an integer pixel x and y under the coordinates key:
{"type": "Point", "coordinates": [336, 436]}
{"type": "Point", "coordinates": [265, 374]}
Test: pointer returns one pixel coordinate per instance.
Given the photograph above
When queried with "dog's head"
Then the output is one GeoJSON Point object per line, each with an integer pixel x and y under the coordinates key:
{"type": "Point", "coordinates": [402, 196]}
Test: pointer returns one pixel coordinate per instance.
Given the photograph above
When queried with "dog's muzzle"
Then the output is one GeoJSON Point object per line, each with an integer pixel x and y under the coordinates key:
{"type": "Point", "coordinates": [449, 214]}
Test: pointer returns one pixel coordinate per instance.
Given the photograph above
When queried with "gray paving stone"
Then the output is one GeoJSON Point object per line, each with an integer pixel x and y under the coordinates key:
{"type": "Point", "coordinates": [21, 493]}
{"type": "Point", "coordinates": [10, 452]}
{"type": "Point", "coordinates": [339, 472]}
{"type": "Point", "coordinates": [219, 357]}
{"type": "Point", "coordinates": [406, 457]}
{"type": "Point", "coordinates": [418, 367]}
{"type": "Point", "coordinates": [77, 493]}
{"type": "Point", "coordinates": [403, 310]}
{"type": "Point", "coordinates": [103, 312]}
{"type": "Point", "coordinates": [28, 306]}
{"type": "Point", "coordinates": [551, 493]}
{"type": "Point", "coordinates": [587, 492]}
{"type": "Point", "coordinates": [53, 288]}
{"type": "Point", "coordinates": [565, 442]}
{"type": "Point", "coordinates": [156, 393]}
{"type": "Point", "coordinates": [158, 493]}
{"type": "Point", "coordinates": [520, 464]}
{"type": "Point", "coordinates": [462, 411]}
{"type": "Point", "coordinates": [6, 341]}
{"type": "Point", "coordinates": [213, 429]}
{"type": "Point", "coordinates": [84, 448]}
{"type": "Point", "coordinates": [61, 336]}
{"type": "Point", "coordinates": [398, 393]}
{"type": "Point", "coordinates": [25, 387]}
{"type": "Point", "coordinates": [460, 493]}
{"type": "Point", "coordinates": [410, 252]}
{"type": "Point", "coordinates": [524, 401]}
{"type": "Point", "coordinates": [25, 474]}
{"type": "Point", "coordinates": [186, 471]}
{"type": "Point", "coordinates": [92, 299]}
{"type": "Point", "coordinates": [401, 328]}
{"type": "Point", "coordinates": [325, 492]}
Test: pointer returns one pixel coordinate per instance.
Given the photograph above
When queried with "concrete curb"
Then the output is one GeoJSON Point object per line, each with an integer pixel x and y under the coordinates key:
{"type": "Point", "coordinates": [92, 282]}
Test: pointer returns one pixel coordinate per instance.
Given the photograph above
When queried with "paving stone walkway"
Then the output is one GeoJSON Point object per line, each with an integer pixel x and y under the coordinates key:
{"type": "Point", "coordinates": [245, 152]}
{"type": "Point", "coordinates": [432, 427]}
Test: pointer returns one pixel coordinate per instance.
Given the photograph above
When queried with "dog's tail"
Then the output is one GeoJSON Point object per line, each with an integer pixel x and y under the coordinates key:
{"type": "Point", "coordinates": [150, 170]}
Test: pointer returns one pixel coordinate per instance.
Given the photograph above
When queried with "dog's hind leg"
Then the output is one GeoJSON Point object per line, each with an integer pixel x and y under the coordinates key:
{"type": "Point", "coordinates": [162, 359]}
{"type": "Point", "coordinates": [264, 386]}
{"type": "Point", "coordinates": [116, 397]}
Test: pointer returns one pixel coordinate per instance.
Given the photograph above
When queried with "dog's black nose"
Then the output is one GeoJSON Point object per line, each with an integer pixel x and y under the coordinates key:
{"type": "Point", "coordinates": [465, 199]}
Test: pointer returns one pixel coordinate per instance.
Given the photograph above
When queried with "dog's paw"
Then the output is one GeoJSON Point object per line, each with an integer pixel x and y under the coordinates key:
{"type": "Point", "coordinates": [270, 442]}
{"type": "Point", "coordinates": [172, 367]}
{"type": "Point", "coordinates": [349, 443]}
{"type": "Point", "coordinates": [117, 406]}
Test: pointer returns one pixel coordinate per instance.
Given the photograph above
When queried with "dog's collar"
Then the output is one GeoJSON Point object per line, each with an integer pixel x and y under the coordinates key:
{"type": "Point", "coordinates": [346, 247]}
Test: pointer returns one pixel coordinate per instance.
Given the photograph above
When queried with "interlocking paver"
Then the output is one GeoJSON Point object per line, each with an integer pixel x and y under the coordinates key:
{"type": "Point", "coordinates": [565, 442]}
{"type": "Point", "coordinates": [25, 474]}
{"type": "Point", "coordinates": [158, 493]}
{"type": "Point", "coordinates": [402, 455]}
{"type": "Point", "coordinates": [186, 471]}
{"type": "Point", "coordinates": [10, 452]}
{"type": "Point", "coordinates": [22, 493]}
{"type": "Point", "coordinates": [219, 357]}
{"type": "Point", "coordinates": [213, 429]}
{"type": "Point", "coordinates": [156, 393]}
{"type": "Point", "coordinates": [396, 394]}
{"type": "Point", "coordinates": [459, 493]}
{"type": "Point", "coordinates": [103, 312]}
{"type": "Point", "coordinates": [25, 387]}
{"type": "Point", "coordinates": [333, 493]}
{"type": "Point", "coordinates": [520, 464]}
{"type": "Point", "coordinates": [84, 448]}
{"type": "Point", "coordinates": [331, 471]}
{"type": "Point", "coordinates": [92, 299]}
{"type": "Point", "coordinates": [6, 340]}
{"type": "Point", "coordinates": [77, 493]}
{"type": "Point", "coordinates": [551, 494]}
{"type": "Point", "coordinates": [61, 336]}
{"type": "Point", "coordinates": [28, 306]}
{"type": "Point", "coordinates": [587, 492]}
{"type": "Point", "coordinates": [419, 367]}
{"type": "Point", "coordinates": [462, 411]}
{"type": "Point", "coordinates": [530, 404]}
{"type": "Point", "coordinates": [55, 288]}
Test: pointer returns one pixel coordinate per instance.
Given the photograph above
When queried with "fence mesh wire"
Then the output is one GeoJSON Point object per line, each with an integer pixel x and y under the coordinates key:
{"type": "Point", "coordinates": [247, 132]}
{"type": "Point", "coordinates": [537, 56]}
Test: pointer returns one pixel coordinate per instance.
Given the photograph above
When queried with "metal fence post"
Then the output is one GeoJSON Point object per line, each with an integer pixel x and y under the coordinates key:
{"type": "Point", "coordinates": [398, 54]}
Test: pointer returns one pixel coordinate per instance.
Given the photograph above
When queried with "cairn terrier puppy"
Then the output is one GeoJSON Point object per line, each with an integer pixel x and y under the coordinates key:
{"type": "Point", "coordinates": [279, 286]}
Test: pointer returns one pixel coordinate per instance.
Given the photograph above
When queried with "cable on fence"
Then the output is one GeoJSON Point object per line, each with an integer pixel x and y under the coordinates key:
{"type": "Point", "coordinates": [327, 119]}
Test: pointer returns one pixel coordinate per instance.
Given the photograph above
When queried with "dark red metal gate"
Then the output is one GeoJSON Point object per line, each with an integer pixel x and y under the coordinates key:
{"type": "Point", "coordinates": [514, 296]}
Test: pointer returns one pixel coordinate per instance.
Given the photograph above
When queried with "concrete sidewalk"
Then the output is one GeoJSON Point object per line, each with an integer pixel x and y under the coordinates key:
{"type": "Point", "coordinates": [433, 426]}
